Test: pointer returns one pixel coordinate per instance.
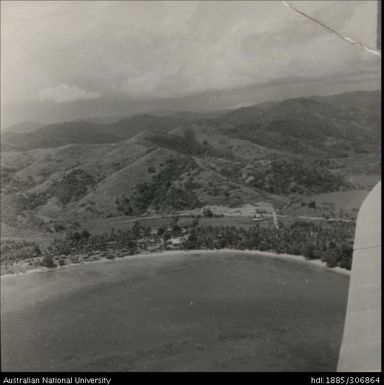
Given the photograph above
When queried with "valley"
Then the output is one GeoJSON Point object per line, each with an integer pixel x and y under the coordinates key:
{"type": "Point", "coordinates": [310, 159]}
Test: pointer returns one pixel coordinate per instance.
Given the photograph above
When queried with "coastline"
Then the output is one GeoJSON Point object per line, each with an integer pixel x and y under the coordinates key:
{"type": "Point", "coordinates": [286, 257]}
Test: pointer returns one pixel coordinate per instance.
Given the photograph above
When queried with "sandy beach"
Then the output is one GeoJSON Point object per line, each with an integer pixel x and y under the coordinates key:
{"type": "Point", "coordinates": [289, 257]}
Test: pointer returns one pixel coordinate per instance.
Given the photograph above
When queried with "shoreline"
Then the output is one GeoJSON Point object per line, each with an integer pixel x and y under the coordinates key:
{"type": "Point", "coordinates": [269, 254]}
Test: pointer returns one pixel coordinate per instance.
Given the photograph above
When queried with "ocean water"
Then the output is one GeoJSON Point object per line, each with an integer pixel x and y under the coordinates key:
{"type": "Point", "coordinates": [219, 311]}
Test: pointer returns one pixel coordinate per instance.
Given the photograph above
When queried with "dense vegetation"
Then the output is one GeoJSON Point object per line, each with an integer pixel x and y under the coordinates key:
{"type": "Point", "coordinates": [330, 242]}
{"type": "Point", "coordinates": [6, 176]}
{"type": "Point", "coordinates": [296, 176]}
{"type": "Point", "coordinates": [15, 251]}
{"type": "Point", "coordinates": [161, 193]}
{"type": "Point", "coordinates": [73, 186]}
{"type": "Point", "coordinates": [31, 200]}
{"type": "Point", "coordinates": [188, 144]}
{"type": "Point", "coordinates": [309, 146]}
{"type": "Point", "coordinates": [124, 205]}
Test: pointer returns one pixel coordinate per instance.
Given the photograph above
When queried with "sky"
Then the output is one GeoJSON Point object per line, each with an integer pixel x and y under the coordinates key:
{"type": "Point", "coordinates": [72, 59]}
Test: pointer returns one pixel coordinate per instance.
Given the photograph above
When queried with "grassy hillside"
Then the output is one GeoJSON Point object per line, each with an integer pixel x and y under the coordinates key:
{"type": "Point", "coordinates": [83, 132]}
{"type": "Point", "coordinates": [146, 164]}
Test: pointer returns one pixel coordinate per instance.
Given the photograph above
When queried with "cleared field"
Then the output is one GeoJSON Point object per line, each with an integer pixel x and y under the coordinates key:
{"type": "Point", "coordinates": [333, 205]}
{"type": "Point", "coordinates": [222, 311]}
{"type": "Point", "coordinates": [43, 239]}
{"type": "Point", "coordinates": [365, 180]}
{"type": "Point", "coordinates": [345, 200]}
{"type": "Point", "coordinates": [125, 223]}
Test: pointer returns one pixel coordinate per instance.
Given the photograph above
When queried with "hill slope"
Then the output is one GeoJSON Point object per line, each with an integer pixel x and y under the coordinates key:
{"type": "Point", "coordinates": [147, 164]}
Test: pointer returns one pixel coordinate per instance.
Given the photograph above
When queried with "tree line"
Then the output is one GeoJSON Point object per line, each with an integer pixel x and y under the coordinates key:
{"type": "Point", "coordinates": [330, 242]}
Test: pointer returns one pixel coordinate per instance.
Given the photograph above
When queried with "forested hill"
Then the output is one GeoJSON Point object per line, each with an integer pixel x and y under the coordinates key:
{"type": "Point", "coordinates": [350, 117]}
{"type": "Point", "coordinates": [147, 164]}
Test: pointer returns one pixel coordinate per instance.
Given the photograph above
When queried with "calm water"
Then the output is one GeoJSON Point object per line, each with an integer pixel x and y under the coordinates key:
{"type": "Point", "coordinates": [212, 312]}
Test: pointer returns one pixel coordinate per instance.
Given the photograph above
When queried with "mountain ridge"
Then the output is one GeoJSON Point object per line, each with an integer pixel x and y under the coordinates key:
{"type": "Point", "coordinates": [299, 146]}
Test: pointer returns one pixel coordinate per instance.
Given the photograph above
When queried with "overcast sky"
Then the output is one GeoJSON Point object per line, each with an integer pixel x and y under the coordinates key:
{"type": "Point", "coordinates": [64, 60]}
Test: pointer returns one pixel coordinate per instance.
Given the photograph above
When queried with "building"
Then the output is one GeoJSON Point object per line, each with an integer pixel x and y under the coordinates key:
{"type": "Point", "coordinates": [176, 242]}
{"type": "Point", "coordinates": [258, 217]}
{"type": "Point", "coordinates": [153, 231]}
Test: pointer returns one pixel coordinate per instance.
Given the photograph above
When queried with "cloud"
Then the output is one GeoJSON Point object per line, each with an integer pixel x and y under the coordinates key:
{"type": "Point", "coordinates": [150, 50]}
{"type": "Point", "coordinates": [66, 93]}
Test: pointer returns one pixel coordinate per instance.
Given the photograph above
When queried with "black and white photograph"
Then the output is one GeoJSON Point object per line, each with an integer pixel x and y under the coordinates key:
{"type": "Point", "coordinates": [190, 186]}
